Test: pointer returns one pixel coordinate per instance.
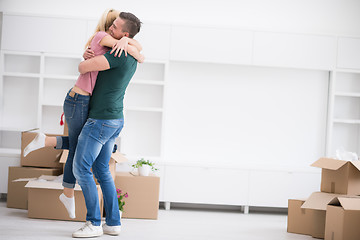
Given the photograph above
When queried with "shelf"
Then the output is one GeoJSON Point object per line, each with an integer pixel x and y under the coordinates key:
{"type": "Point", "coordinates": [143, 109]}
{"type": "Point", "coordinates": [147, 82]}
{"type": "Point", "coordinates": [347, 94]}
{"type": "Point", "coordinates": [10, 152]}
{"type": "Point", "coordinates": [16, 74]}
{"type": "Point", "coordinates": [344, 70]}
{"type": "Point", "coordinates": [61, 77]}
{"type": "Point", "coordinates": [350, 121]}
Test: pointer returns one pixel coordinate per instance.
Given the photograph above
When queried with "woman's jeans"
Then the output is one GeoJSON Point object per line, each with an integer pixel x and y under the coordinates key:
{"type": "Point", "coordinates": [76, 108]}
{"type": "Point", "coordinates": [94, 149]}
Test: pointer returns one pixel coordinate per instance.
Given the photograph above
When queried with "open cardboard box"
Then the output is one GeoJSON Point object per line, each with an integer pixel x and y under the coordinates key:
{"type": "Point", "coordinates": [339, 176]}
{"type": "Point", "coordinates": [17, 195]}
{"type": "Point", "coordinates": [343, 218]}
{"type": "Point", "coordinates": [115, 158]}
{"type": "Point", "coordinates": [316, 206]}
{"type": "Point", "coordinates": [43, 200]}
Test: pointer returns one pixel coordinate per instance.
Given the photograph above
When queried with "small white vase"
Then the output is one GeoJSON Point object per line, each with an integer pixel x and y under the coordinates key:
{"type": "Point", "coordinates": [144, 170]}
{"type": "Point", "coordinates": [120, 212]}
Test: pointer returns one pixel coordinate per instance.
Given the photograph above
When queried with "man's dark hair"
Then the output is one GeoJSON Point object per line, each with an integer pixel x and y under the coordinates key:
{"type": "Point", "coordinates": [132, 23]}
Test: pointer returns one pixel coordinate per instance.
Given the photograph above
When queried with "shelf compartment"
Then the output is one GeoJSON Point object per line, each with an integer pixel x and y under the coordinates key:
{"type": "Point", "coordinates": [50, 119]}
{"type": "Point", "coordinates": [55, 91]}
{"type": "Point", "coordinates": [141, 135]}
{"type": "Point", "coordinates": [150, 72]}
{"type": "Point", "coordinates": [347, 108]}
{"type": "Point", "coordinates": [347, 136]}
{"type": "Point", "coordinates": [61, 65]}
{"type": "Point", "coordinates": [347, 82]}
{"type": "Point", "coordinates": [148, 96]}
{"type": "Point", "coordinates": [10, 140]}
{"type": "Point", "coordinates": [20, 102]}
{"type": "Point", "coordinates": [21, 63]}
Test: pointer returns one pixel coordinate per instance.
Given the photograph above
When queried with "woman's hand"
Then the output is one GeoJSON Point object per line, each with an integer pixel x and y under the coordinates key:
{"type": "Point", "coordinates": [120, 46]}
{"type": "Point", "coordinates": [88, 53]}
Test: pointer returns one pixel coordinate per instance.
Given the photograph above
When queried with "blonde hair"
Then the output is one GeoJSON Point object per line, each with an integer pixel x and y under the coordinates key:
{"type": "Point", "coordinates": [104, 23]}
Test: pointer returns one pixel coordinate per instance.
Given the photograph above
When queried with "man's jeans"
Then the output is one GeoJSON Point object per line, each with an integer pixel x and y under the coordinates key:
{"type": "Point", "coordinates": [94, 148]}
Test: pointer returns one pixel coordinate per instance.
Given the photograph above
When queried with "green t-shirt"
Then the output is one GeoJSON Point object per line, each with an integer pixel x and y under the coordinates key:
{"type": "Point", "coordinates": [107, 99]}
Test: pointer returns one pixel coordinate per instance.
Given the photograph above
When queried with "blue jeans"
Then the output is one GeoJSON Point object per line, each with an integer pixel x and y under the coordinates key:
{"type": "Point", "coordinates": [76, 112]}
{"type": "Point", "coordinates": [95, 145]}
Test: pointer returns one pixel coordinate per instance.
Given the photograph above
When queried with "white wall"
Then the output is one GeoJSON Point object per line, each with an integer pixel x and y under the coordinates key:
{"type": "Point", "coordinates": [335, 17]}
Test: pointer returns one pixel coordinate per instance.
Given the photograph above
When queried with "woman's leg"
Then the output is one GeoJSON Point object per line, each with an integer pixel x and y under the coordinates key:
{"type": "Point", "coordinates": [76, 111]}
{"type": "Point", "coordinates": [41, 140]}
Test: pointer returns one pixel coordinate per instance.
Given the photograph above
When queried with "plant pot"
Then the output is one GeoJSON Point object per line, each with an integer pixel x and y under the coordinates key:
{"type": "Point", "coordinates": [144, 170]}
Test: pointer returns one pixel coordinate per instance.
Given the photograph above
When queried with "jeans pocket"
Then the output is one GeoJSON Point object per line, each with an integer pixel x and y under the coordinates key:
{"type": "Point", "coordinates": [69, 109]}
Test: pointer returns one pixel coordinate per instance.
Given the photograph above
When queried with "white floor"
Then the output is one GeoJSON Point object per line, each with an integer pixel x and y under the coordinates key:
{"type": "Point", "coordinates": [175, 224]}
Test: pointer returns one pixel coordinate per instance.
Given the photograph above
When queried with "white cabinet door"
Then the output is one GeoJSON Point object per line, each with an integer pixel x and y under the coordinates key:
{"type": "Point", "coordinates": [274, 188]}
{"type": "Point", "coordinates": [349, 53]}
{"type": "Point", "coordinates": [155, 40]}
{"type": "Point", "coordinates": [211, 45]}
{"type": "Point", "coordinates": [43, 34]}
{"type": "Point", "coordinates": [206, 185]}
{"type": "Point", "coordinates": [294, 50]}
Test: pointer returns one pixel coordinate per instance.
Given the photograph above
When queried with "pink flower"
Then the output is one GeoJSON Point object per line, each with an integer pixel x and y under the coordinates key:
{"type": "Point", "coordinates": [126, 195]}
{"type": "Point", "coordinates": [118, 190]}
{"type": "Point", "coordinates": [118, 196]}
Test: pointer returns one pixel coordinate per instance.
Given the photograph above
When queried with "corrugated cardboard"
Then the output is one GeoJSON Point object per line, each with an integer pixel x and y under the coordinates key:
{"type": "Point", "coordinates": [143, 200]}
{"type": "Point", "coordinates": [339, 176]}
{"type": "Point", "coordinates": [299, 219]}
{"type": "Point", "coordinates": [342, 219]}
{"type": "Point", "coordinates": [43, 157]}
{"type": "Point", "coordinates": [17, 196]}
{"type": "Point", "coordinates": [115, 158]}
{"type": "Point", "coordinates": [44, 201]}
{"type": "Point", "coordinates": [316, 204]}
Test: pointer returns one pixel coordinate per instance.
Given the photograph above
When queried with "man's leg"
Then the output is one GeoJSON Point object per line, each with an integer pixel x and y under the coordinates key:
{"type": "Point", "coordinates": [103, 175]}
{"type": "Point", "coordinates": [93, 136]}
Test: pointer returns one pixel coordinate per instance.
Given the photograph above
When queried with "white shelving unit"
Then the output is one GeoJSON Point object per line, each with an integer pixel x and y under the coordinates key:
{"type": "Point", "coordinates": [344, 111]}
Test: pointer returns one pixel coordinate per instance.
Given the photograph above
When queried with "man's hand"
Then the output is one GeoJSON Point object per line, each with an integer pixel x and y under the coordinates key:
{"type": "Point", "coordinates": [88, 53]}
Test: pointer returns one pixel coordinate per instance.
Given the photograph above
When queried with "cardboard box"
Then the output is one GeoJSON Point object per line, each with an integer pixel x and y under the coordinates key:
{"type": "Point", "coordinates": [17, 196]}
{"type": "Point", "coordinates": [44, 200]}
{"type": "Point", "coordinates": [143, 200]}
{"type": "Point", "coordinates": [115, 158]}
{"type": "Point", "coordinates": [316, 204]}
{"type": "Point", "coordinates": [43, 157]}
{"type": "Point", "coordinates": [339, 176]}
{"type": "Point", "coordinates": [299, 219]}
{"type": "Point", "coordinates": [342, 219]}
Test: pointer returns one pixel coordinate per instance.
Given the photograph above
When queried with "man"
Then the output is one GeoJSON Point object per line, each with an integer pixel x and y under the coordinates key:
{"type": "Point", "coordinates": [105, 121]}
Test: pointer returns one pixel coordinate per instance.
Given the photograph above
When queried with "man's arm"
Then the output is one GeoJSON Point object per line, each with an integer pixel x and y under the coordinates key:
{"type": "Point", "coordinates": [98, 63]}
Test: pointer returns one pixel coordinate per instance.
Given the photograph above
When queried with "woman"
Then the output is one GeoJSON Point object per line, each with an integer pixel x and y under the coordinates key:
{"type": "Point", "coordinates": [76, 104]}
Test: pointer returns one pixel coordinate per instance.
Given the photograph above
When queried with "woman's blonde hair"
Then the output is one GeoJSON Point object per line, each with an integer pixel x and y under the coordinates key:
{"type": "Point", "coordinates": [104, 23]}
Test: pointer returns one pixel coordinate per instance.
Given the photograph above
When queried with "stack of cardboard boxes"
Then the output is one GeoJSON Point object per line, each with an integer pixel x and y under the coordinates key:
{"type": "Point", "coordinates": [31, 186]}
{"type": "Point", "coordinates": [333, 213]}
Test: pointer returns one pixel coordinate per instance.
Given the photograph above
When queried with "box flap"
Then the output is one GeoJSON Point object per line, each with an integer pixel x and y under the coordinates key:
{"type": "Point", "coordinates": [64, 156]}
{"type": "Point", "coordinates": [319, 200]}
{"type": "Point", "coordinates": [48, 182]}
{"type": "Point", "coordinates": [118, 157]}
{"type": "Point", "coordinates": [329, 163]}
{"type": "Point", "coordinates": [356, 164]}
{"type": "Point", "coordinates": [350, 203]}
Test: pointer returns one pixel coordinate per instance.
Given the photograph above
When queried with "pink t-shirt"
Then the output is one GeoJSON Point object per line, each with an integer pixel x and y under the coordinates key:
{"type": "Point", "coordinates": [87, 80]}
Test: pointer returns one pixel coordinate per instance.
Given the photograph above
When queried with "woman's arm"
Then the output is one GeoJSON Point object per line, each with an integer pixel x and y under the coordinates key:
{"type": "Point", "coordinates": [122, 45]}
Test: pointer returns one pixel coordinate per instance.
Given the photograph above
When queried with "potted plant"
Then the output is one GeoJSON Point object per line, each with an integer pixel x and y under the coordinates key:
{"type": "Point", "coordinates": [144, 167]}
{"type": "Point", "coordinates": [121, 200]}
